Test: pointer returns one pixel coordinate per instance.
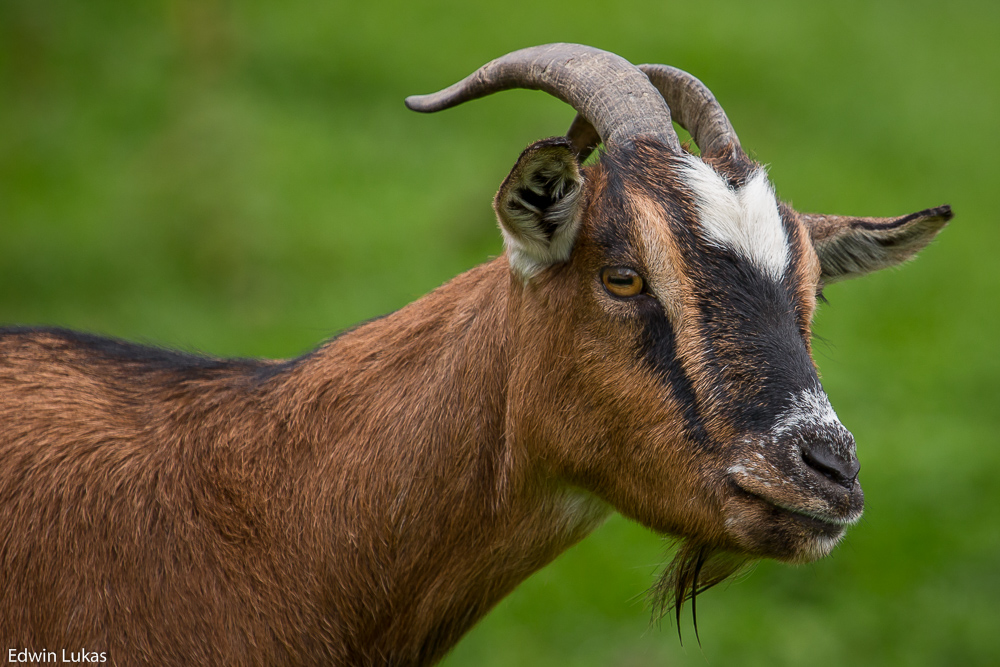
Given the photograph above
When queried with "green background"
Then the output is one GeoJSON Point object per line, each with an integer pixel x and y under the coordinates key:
{"type": "Point", "coordinates": [243, 179]}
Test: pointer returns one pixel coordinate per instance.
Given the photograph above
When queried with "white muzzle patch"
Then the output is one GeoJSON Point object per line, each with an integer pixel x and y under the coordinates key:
{"type": "Point", "coordinates": [810, 409]}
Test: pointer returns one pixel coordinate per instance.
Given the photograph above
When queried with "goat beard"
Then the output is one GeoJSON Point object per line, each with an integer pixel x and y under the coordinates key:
{"type": "Point", "coordinates": [694, 569]}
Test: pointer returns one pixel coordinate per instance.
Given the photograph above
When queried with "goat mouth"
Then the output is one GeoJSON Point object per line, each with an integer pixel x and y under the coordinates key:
{"type": "Point", "coordinates": [824, 525]}
{"type": "Point", "coordinates": [818, 524]}
{"type": "Point", "coordinates": [795, 527]}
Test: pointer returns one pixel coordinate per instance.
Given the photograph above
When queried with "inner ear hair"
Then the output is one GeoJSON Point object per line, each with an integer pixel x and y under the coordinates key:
{"type": "Point", "coordinates": [538, 205]}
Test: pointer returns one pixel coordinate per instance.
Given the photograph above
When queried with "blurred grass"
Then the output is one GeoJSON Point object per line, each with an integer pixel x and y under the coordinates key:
{"type": "Point", "coordinates": [242, 178]}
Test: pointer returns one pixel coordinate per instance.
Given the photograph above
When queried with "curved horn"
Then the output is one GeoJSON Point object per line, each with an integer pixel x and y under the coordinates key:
{"type": "Point", "coordinates": [607, 90]}
{"type": "Point", "coordinates": [583, 136]}
{"type": "Point", "coordinates": [693, 105]}
{"type": "Point", "coordinates": [695, 108]}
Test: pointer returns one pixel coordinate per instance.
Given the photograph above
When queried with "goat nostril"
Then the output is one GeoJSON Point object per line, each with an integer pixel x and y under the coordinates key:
{"type": "Point", "coordinates": [831, 466]}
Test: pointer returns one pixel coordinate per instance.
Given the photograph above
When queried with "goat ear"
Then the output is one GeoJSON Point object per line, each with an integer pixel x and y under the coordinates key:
{"type": "Point", "coordinates": [538, 206]}
{"type": "Point", "coordinates": [850, 247]}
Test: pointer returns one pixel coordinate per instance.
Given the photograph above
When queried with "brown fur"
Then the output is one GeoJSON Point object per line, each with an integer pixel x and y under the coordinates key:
{"type": "Point", "coordinates": [335, 512]}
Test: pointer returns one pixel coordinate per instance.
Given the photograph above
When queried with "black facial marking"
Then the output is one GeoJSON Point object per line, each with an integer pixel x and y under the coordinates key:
{"type": "Point", "coordinates": [753, 344]}
{"type": "Point", "coordinates": [657, 339]}
{"type": "Point", "coordinates": [752, 330]}
{"type": "Point", "coordinates": [658, 350]}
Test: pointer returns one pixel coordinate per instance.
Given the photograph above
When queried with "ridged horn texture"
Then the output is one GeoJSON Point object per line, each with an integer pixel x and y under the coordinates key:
{"type": "Point", "coordinates": [608, 91]}
{"type": "Point", "coordinates": [692, 104]}
{"type": "Point", "coordinates": [694, 107]}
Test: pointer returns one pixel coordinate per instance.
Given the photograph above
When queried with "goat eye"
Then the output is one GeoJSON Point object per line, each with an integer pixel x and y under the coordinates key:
{"type": "Point", "coordinates": [621, 281]}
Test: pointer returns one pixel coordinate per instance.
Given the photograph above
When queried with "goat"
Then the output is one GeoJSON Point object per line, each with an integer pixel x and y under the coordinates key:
{"type": "Point", "coordinates": [642, 346]}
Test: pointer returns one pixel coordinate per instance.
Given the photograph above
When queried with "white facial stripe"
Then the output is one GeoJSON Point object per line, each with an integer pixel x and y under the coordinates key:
{"type": "Point", "coordinates": [745, 220]}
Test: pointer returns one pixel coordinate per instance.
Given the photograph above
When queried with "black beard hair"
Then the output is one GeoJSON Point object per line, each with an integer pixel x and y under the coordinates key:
{"type": "Point", "coordinates": [694, 569]}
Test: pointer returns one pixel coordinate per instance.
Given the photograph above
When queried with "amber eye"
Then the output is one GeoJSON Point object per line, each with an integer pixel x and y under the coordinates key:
{"type": "Point", "coordinates": [621, 281]}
